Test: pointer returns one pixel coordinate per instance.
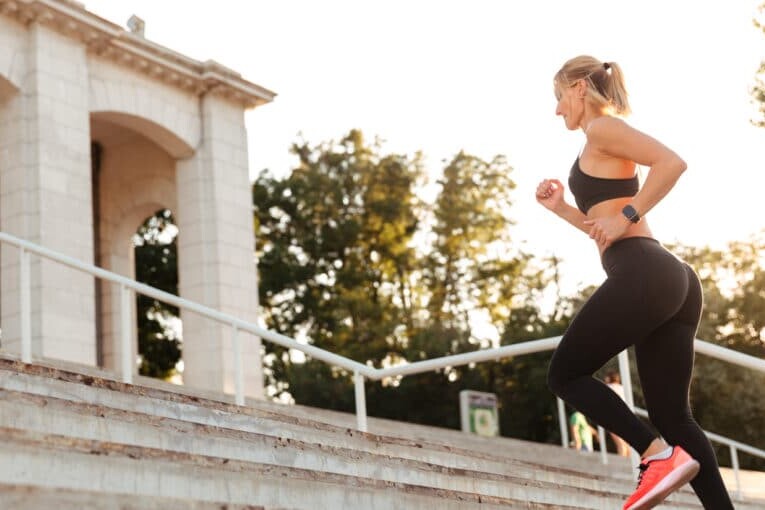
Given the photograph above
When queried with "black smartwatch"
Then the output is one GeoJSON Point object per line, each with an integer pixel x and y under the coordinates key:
{"type": "Point", "coordinates": [630, 213]}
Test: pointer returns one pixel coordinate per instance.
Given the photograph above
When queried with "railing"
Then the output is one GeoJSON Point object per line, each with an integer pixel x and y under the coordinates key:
{"type": "Point", "coordinates": [359, 370]}
{"type": "Point", "coordinates": [126, 287]}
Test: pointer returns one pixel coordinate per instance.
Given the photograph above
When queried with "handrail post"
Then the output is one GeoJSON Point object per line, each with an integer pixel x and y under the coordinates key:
{"type": "Point", "coordinates": [238, 375]}
{"type": "Point", "coordinates": [602, 443]}
{"type": "Point", "coordinates": [361, 402]}
{"type": "Point", "coordinates": [626, 376]}
{"type": "Point", "coordinates": [25, 292]}
{"type": "Point", "coordinates": [563, 423]}
{"type": "Point", "coordinates": [734, 461]}
{"type": "Point", "coordinates": [126, 347]}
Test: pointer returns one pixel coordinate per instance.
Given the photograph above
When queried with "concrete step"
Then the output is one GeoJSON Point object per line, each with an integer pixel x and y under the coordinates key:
{"type": "Point", "coordinates": [31, 497]}
{"type": "Point", "coordinates": [321, 420]}
{"type": "Point", "coordinates": [97, 408]}
{"type": "Point", "coordinates": [46, 460]}
{"type": "Point", "coordinates": [291, 440]}
{"type": "Point", "coordinates": [57, 416]}
{"type": "Point", "coordinates": [167, 404]}
{"type": "Point", "coordinates": [85, 421]}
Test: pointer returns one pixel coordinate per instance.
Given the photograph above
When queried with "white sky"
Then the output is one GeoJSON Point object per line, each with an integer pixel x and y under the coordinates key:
{"type": "Point", "coordinates": [477, 75]}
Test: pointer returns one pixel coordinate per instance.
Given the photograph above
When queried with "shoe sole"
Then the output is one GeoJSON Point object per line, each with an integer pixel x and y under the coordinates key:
{"type": "Point", "coordinates": [670, 484]}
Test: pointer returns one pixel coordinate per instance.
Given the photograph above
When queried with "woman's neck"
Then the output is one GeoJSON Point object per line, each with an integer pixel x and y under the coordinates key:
{"type": "Point", "coordinates": [588, 117]}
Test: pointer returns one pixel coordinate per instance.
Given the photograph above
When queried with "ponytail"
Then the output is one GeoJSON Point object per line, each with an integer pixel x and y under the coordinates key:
{"type": "Point", "coordinates": [615, 90]}
{"type": "Point", "coordinates": [605, 82]}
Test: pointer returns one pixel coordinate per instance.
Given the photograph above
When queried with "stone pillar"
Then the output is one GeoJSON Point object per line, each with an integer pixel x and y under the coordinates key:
{"type": "Point", "coordinates": [216, 250]}
{"type": "Point", "coordinates": [46, 198]}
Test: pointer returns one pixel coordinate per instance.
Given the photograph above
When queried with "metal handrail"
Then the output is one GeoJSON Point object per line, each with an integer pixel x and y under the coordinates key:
{"type": "Point", "coordinates": [184, 304]}
{"type": "Point", "coordinates": [360, 371]}
{"type": "Point", "coordinates": [456, 360]}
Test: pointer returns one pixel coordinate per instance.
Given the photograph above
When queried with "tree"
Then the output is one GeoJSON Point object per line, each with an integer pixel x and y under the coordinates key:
{"type": "Point", "coordinates": [156, 264]}
{"type": "Point", "coordinates": [528, 410]}
{"type": "Point", "coordinates": [471, 263]}
{"type": "Point", "coordinates": [758, 90]}
{"type": "Point", "coordinates": [726, 398]}
{"type": "Point", "coordinates": [339, 266]}
{"type": "Point", "coordinates": [335, 257]}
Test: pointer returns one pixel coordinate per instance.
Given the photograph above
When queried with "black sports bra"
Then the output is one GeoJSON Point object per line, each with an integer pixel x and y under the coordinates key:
{"type": "Point", "coordinates": [589, 190]}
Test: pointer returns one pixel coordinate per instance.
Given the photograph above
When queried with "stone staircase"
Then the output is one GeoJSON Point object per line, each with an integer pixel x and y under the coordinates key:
{"type": "Point", "coordinates": [83, 440]}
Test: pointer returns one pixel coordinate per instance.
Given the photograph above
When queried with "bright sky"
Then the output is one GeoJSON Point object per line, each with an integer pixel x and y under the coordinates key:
{"type": "Point", "coordinates": [477, 75]}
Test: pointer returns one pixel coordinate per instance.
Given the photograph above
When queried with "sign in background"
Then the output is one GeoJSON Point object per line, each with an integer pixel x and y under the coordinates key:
{"type": "Point", "coordinates": [478, 413]}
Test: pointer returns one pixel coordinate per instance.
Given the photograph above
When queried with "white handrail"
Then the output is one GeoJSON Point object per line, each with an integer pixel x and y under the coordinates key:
{"type": "Point", "coordinates": [279, 339]}
{"type": "Point", "coordinates": [455, 360]}
{"type": "Point", "coordinates": [720, 439]}
{"type": "Point", "coordinates": [729, 355]}
{"type": "Point", "coordinates": [359, 370]}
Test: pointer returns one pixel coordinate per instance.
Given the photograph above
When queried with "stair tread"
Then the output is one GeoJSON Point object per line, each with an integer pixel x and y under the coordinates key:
{"type": "Point", "coordinates": [418, 462]}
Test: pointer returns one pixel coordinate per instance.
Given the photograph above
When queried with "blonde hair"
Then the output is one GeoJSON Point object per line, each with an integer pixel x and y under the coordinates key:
{"type": "Point", "coordinates": [605, 82]}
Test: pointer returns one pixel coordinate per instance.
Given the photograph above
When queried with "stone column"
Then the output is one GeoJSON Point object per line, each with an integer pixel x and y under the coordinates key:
{"type": "Point", "coordinates": [46, 198]}
{"type": "Point", "coordinates": [216, 250]}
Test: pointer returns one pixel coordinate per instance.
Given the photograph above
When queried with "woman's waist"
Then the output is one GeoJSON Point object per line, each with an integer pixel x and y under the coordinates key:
{"type": "Point", "coordinates": [633, 232]}
{"type": "Point", "coordinates": [637, 253]}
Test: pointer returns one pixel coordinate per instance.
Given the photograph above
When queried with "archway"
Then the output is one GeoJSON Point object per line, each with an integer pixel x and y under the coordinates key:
{"type": "Point", "coordinates": [10, 113]}
{"type": "Point", "coordinates": [133, 178]}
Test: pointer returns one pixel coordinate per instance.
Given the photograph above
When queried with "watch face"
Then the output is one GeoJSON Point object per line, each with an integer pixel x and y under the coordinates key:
{"type": "Point", "coordinates": [631, 213]}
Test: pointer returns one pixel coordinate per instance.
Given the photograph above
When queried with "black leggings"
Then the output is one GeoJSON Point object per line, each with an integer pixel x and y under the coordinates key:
{"type": "Point", "coordinates": [653, 301]}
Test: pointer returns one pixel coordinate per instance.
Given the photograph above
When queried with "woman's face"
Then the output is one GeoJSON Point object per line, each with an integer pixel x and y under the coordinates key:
{"type": "Point", "coordinates": [570, 104]}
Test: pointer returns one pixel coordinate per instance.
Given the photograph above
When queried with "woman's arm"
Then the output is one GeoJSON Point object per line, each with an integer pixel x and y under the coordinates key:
{"type": "Point", "coordinates": [574, 216]}
{"type": "Point", "coordinates": [616, 138]}
{"type": "Point", "coordinates": [550, 195]}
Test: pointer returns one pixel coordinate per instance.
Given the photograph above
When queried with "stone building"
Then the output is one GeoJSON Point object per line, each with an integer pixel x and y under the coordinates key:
{"type": "Point", "coordinates": [99, 129]}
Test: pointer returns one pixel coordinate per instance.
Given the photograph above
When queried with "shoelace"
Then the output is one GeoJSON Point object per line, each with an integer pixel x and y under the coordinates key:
{"type": "Point", "coordinates": [643, 468]}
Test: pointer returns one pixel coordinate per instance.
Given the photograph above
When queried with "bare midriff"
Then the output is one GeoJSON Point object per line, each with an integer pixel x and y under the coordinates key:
{"type": "Point", "coordinates": [614, 207]}
{"type": "Point", "coordinates": [604, 166]}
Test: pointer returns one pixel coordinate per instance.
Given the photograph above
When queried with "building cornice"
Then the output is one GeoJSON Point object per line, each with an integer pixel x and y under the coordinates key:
{"type": "Point", "coordinates": [110, 41]}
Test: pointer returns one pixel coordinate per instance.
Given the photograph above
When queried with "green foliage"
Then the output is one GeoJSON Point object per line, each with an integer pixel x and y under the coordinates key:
{"type": "Point", "coordinates": [727, 399]}
{"type": "Point", "coordinates": [354, 262]}
{"type": "Point", "coordinates": [471, 264]}
{"type": "Point", "coordinates": [339, 267]}
{"type": "Point", "coordinates": [335, 254]}
{"type": "Point", "coordinates": [734, 300]}
{"type": "Point", "coordinates": [156, 264]}
{"type": "Point", "coordinates": [758, 90]}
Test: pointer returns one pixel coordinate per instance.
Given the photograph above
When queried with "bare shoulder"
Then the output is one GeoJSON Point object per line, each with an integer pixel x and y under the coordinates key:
{"type": "Point", "coordinates": [612, 136]}
{"type": "Point", "coordinates": [607, 128]}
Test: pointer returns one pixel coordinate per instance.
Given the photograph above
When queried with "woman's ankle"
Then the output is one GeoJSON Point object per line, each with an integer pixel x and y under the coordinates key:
{"type": "Point", "coordinates": [658, 445]}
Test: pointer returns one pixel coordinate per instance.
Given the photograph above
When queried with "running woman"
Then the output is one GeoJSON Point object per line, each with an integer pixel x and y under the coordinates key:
{"type": "Point", "coordinates": [650, 298]}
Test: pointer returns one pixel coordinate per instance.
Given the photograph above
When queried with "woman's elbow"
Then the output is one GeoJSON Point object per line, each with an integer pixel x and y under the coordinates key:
{"type": "Point", "coordinates": [680, 164]}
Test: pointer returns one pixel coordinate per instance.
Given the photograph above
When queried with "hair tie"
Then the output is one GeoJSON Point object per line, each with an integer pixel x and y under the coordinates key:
{"type": "Point", "coordinates": [606, 66]}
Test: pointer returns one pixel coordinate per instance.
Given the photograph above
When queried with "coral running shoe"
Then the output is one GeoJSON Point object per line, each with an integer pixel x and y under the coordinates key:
{"type": "Point", "coordinates": [659, 478]}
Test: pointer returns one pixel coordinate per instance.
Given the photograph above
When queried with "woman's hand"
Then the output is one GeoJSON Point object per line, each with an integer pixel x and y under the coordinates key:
{"type": "Point", "coordinates": [608, 229]}
{"type": "Point", "coordinates": [550, 194]}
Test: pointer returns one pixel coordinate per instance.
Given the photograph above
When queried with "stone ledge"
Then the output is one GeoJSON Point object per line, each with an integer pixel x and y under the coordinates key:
{"type": "Point", "coordinates": [210, 402]}
{"type": "Point", "coordinates": [176, 435]}
{"type": "Point", "coordinates": [30, 497]}
{"type": "Point", "coordinates": [22, 441]}
{"type": "Point", "coordinates": [104, 38]}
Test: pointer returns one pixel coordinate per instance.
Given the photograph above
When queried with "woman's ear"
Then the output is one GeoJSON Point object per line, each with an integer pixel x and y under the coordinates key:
{"type": "Point", "coordinates": [581, 88]}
